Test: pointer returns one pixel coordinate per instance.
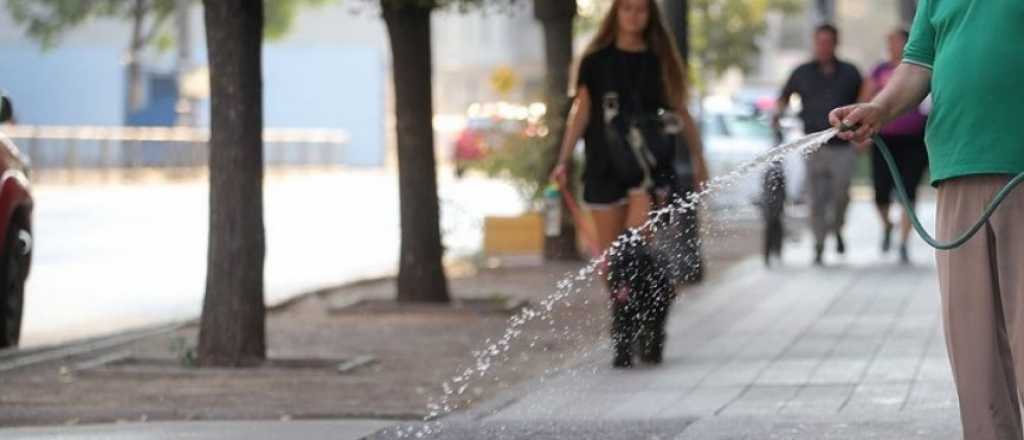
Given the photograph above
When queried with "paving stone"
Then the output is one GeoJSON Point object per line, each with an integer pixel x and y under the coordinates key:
{"type": "Point", "coordinates": [852, 351]}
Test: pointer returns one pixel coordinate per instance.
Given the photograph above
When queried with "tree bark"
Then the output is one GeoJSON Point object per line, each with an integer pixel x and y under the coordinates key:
{"type": "Point", "coordinates": [677, 14]}
{"type": "Point", "coordinates": [556, 18]}
{"type": "Point", "coordinates": [421, 275]}
{"type": "Point", "coordinates": [907, 9]}
{"type": "Point", "coordinates": [232, 325]}
{"type": "Point", "coordinates": [134, 53]}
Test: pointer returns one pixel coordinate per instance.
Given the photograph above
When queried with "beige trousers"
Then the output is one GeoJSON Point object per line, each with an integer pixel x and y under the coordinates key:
{"type": "Point", "coordinates": [982, 287]}
{"type": "Point", "coordinates": [829, 172]}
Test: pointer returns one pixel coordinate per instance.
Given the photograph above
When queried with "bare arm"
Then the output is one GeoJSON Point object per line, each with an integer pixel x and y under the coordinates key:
{"type": "Point", "coordinates": [691, 131]}
{"type": "Point", "coordinates": [908, 86]}
{"type": "Point", "coordinates": [576, 125]}
{"type": "Point", "coordinates": [867, 90]}
{"type": "Point", "coordinates": [780, 109]}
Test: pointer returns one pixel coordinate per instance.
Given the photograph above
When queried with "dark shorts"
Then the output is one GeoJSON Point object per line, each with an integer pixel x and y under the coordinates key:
{"type": "Point", "coordinates": [911, 158]}
{"type": "Point", "coordinates": [605, 192]}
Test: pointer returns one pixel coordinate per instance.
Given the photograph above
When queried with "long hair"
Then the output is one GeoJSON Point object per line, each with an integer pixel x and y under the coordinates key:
{"type": "Point", "coordinates": [658, 40]}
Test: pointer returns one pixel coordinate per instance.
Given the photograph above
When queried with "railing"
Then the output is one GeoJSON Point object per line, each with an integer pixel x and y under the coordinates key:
{"type": "Point", "coordinates": [70, 151]}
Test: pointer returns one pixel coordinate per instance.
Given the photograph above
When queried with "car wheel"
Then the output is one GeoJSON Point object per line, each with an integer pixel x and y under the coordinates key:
{"type": "Point", "coordinates": [13, 272]}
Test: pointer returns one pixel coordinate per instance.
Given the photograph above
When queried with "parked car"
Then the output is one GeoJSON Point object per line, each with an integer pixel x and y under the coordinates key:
{"type": "Point", "coordinates": [16, 239]}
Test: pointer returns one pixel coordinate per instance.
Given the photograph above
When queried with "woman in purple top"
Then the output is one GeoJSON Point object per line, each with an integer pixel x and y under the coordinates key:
{"type": "Point", "coordinates": [905, 136]}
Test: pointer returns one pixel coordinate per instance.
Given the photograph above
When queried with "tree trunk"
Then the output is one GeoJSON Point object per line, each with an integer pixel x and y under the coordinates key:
{"type": "Point", "coordinates": [134, 53]}
{"type": "Point", "coordinates": [232, 327]}
{"type": "Point", "coordinates": [556, 17]}
{"type": "Point", "coordinates": [907, 9]}
{"type": "Point", "coordinates": [825, 11]}
{"type": "Point", "coordinates": [421, 275]}
{"type": "Point", "coordinates": [677, 14]}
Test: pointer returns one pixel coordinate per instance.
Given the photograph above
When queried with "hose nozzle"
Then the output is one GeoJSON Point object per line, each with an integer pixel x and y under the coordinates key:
{"type": "Point", "coordinates": [844, 127]}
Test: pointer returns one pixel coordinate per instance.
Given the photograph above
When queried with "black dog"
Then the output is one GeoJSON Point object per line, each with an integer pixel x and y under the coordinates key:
{"type": "Point", "coordinates": [773, 200]}
{"type": "Point", "coordinates": [642, 293]}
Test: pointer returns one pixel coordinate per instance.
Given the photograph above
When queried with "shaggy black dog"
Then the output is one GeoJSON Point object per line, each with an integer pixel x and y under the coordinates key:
{"type": "Point", "coordinates": [642, 292]}
{"type": "Point", "coordinates": [773, 199]}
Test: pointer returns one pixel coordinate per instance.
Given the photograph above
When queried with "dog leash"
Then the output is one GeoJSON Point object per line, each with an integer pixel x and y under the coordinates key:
{"type": "Point", "coordinates": [584, 227]}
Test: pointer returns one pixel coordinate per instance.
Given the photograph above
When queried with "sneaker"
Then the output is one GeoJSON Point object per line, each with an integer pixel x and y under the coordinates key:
{"type": "Point", "coordinates": [904, 254]}
{"type": "Point", "coordinates": [819, 249]}
{"type": "Point", "coordinates": [887, 238]}
{"type": "Point", "coordinates": [840, 244]}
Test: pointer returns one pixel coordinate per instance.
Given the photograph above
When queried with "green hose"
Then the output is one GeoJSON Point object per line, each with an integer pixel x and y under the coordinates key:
{"type": "Point", "coordinates": [901, 193]}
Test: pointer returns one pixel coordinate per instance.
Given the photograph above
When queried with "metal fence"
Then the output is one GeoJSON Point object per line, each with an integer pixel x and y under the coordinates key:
{"type": "Point", "coordinates": [70, 150]}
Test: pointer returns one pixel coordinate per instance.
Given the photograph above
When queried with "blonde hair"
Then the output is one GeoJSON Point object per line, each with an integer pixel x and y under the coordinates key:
{"type": "Point", "coordinates": [659, 41]}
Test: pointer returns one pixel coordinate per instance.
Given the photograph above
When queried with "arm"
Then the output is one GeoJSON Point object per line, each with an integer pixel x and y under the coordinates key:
{"type": "Point", "coordinates": [867, 90]}
{"type": "Point", "coordinates": [783, 103]}
{"type": "Point", "coordinates": [907, 87]}
{"type": "Point", "coordinates": [694, 143]}
{"type": "Point", "coordinates": [576, 125]}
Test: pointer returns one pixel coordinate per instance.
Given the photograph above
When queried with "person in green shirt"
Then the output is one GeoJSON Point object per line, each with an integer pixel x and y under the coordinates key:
{"type": "Point", "coordinates": [967, 54]}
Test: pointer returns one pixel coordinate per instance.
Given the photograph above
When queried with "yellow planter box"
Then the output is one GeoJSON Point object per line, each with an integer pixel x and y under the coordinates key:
{"type": "Point", "coordinates": [522, 235]}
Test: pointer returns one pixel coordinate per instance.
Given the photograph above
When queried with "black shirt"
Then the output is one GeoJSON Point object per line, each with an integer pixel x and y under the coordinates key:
{"type": "Point", "coordinates": [635, 77]}
{"type": "Point", "coordinates": [821, 92]}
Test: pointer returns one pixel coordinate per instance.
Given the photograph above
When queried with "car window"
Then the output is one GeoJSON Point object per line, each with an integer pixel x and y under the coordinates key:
{"type": "Point", "coordinates": [712, 124]}
{"type": "Point", "coordinates": [747, 127]}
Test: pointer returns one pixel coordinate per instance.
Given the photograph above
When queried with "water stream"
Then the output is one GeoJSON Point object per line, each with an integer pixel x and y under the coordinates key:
{"type": "Point", "coordinates": [455, 389]}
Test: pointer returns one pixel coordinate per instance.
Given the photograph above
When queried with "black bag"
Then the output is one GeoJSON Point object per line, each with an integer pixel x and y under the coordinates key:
{"type": "Point", "coordinates": [629, 168]}
{"type": "Point", "coordinates": [642, 146]}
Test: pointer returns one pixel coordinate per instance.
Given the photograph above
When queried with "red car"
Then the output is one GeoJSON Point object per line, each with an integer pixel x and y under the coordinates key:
{"type": "Point", "coordinates": [16, 237]}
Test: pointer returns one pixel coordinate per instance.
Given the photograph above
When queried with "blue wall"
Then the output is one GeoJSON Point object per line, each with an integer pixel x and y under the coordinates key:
{"type": "Point", "coordinates": [328, 87]}
{"type": "Point", "coordinates": [64, 86]}
{"type": "Point", "coordinates": [304, 87]}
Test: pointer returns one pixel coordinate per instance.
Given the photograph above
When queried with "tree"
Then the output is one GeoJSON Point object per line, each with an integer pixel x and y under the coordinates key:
{"type": "Point", "coordinates": [725, 32]}
{"type": "Point", "coordinates": [677, 15]}
{"type": "Point", "coordinates": [556, 18]}
{"type": "Point", "coordinates": [907, 9]}
{"type": "Point", "coordinates": [232, 324]}
{"type": "Point", "coordinates": [421, 275]}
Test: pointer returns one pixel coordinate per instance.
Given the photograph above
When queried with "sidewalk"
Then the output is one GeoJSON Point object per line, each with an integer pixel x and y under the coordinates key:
{"type": "Point", "coordinates": [852, 351]}
{"type": "Point", "coordinates": [244, 430]}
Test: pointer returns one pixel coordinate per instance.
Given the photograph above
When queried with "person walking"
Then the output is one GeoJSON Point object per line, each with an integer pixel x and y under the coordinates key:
{"type": "Point", "coordinates": [967, 54]}
{"type": "Point", "coordinates": [630, 72]}
{"type": "Point", "coordinates": [824, 84]}
{"type": "Point", "coordinates": [905, 136]}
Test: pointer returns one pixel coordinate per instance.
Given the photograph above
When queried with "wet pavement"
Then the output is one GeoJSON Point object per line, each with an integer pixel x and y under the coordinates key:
{"type": "Point", "coordinates": [854, 350]}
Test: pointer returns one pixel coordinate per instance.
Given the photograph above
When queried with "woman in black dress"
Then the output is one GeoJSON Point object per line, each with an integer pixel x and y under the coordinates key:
{"type": "Point", "coordinates": [631, 70]}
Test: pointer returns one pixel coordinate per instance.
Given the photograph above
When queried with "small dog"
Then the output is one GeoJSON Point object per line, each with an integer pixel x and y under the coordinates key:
{"type": "Point", "coordinates": [773, 202]}
{"type": "Point", "coordinates": [642, 292]}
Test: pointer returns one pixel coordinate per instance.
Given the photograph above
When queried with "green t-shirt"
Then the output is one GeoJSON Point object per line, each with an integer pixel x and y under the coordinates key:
{"type": "Point", "coordinates": [974, 49]}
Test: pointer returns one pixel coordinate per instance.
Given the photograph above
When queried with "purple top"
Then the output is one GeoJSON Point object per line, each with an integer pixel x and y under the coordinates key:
{"type": "Point", "coordinates": [911, 123]}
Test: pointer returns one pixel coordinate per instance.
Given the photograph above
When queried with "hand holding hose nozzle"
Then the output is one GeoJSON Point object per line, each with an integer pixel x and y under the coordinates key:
{"type": "Point", "coordinates": [856, 128]}
{"type": "Point", "coordinates": [857, 122]}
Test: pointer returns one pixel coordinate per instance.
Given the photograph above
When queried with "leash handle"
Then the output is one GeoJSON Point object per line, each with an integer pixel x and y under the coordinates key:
{"type": "Point", "coordinates": [589, 237]}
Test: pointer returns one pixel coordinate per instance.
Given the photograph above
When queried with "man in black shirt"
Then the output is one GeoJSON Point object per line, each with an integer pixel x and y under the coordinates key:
{"type": "Point", "coordinates": [823, 84]}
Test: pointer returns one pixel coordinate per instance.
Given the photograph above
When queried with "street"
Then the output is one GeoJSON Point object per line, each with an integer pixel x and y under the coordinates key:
{"type": "Point", "coordinates": [112, 257]}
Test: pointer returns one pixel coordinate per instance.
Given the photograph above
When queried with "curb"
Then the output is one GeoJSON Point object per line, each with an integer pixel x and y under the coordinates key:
{"type": "Point", "coordinates": [14, 359]}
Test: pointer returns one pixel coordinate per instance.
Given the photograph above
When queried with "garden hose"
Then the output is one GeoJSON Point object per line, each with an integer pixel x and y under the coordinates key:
{"type": "Point", "coordinates": [901, 194]}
